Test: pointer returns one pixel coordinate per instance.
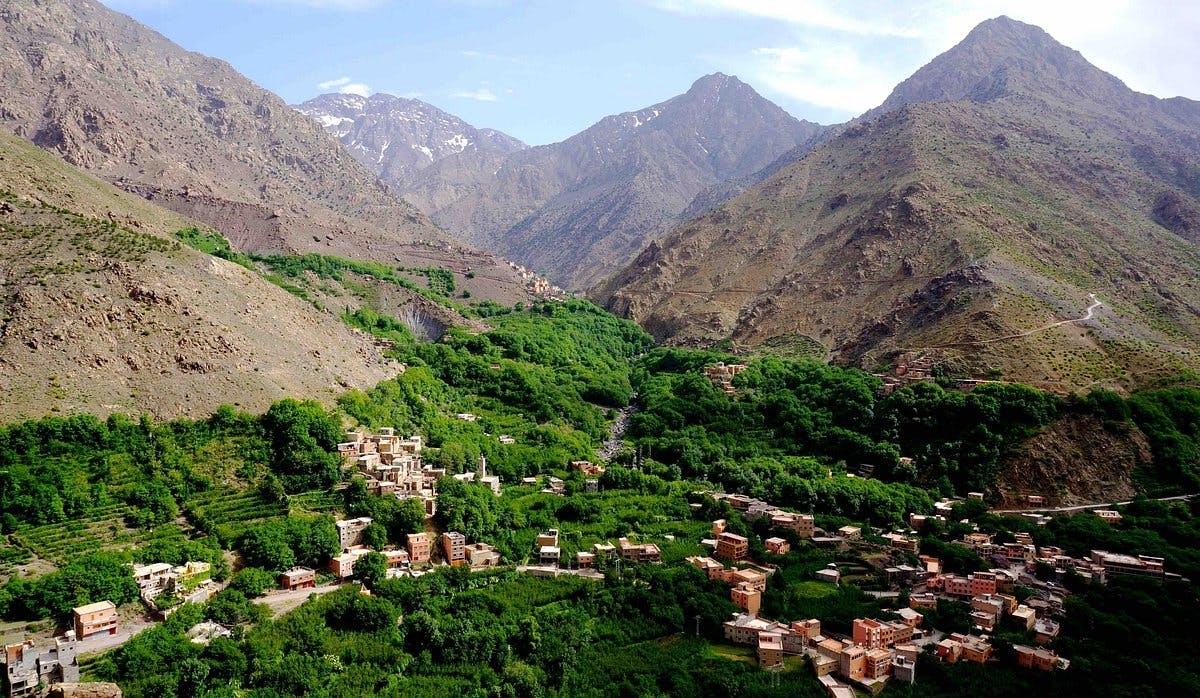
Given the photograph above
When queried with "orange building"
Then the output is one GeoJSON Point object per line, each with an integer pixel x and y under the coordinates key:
{"type": "Point", "coordinates": [98, 618]}
{"type": "Point", "coordinates": [746, 598]}
{"type": "Point", "coordinates": [419, 546]}
{"type": "Point", "coordinates": [454, 548]}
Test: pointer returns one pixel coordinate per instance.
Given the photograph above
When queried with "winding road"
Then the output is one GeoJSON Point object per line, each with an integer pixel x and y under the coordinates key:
{"type": "Point", "coordinates": [1082, 507]}
{"type": "Point", "coordinates": [1088, 315]}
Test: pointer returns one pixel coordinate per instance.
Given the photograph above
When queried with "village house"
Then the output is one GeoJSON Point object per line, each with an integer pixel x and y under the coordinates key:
{"type": "Point", "coordinates": [829, 573]}
{"type": "Point", "coordinates": [506, 439]}
{"type": "Point", "coordinates": [298, 578]}
{"type": "Point", "coordinates": [587, 467]}
{"type": "Point", "coordinates": [746, 597]}
{"type": "Point", "coordinates": [904, 669]}
{"type": "Point", "coordinates": [722, 375]}
{"type": "Point", "coordinates": [921, 600]}
{"type": "Point", "coordinates": [777, 546]}
{"type": "Point", "coordinates": [974, 584]}
{"type": "Point", "coordinates": [718, 527]}
{"type": "Point", "coordinates": [1025, 617]}
{"type": "Point", "coordinates": [556, 486]}
{"type": "Point", "coordinates": [419, 547]}
{"type": "Point", "coordinates": [585, 561]}
{"type": "Point", "coordinates": [342, 566]}
{"type": "Point", "coordinates": [803, 525]}
{"type": "Point", "coordinates": [1039, 658]}
{"type": "Point", "coordinates": [770, 650]}
{"type": "Point", "coordinates": [1111, 516]}
{"type": "Point", "coordinates": [708, 566]}
{"type": "Point", "coordinates": [876, 634]}
{"type": "Point", "coordinates": [482, 555]}
{"type": "Point", "coordinates": [396, 558]}
{"type": "Point", "coordinates": [974, 648]}
{"type": "Point", "coordinates": [910, 617]}
{"type": "Point", "coordinates": [98, 618]}
{"type": "Point", "coordinates": [732, 547]}
{"type": "Point", "coordinates": [644, 552]}
{"type": "Point", "coordinates": [901, 542]}
{"type": "Point", "coordinates": [152, 578]}
{"type": "Point", "coordinates": [1045, 630]}
{"type": "Point", "coordinates": [350, 531]}
{"type": "Point", "coordinates": [591, 485]}
{"type": "Point", "coordinates": [850, 532]}
{"type": "Point", "coordinates": [25, 669]}
{"type": "Point", "coordinates": [1142, 565]}
{"type": "Point", "coordinates": [754, 578]}
{"type": "Point", "coordinates": [454, 548]}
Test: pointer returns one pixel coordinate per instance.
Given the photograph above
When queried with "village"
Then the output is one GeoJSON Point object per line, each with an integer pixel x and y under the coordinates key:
{"type": "Point", "coordinates": [874, 652]}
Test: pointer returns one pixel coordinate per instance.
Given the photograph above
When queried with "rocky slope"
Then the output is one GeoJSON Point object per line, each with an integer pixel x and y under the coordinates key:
{"type": "Point", "coordinates": [187, 131]}
{"type": "Point", "coordinates": [103, 311]}
{"type": "Point", "coordinates": [581, 208]}
{"type": "Point", "coordinates": [1075, 460]}
{"type": "Point", "coordinates": [995, 189]}
{"type": "Point", "coordinates": [397, 137]}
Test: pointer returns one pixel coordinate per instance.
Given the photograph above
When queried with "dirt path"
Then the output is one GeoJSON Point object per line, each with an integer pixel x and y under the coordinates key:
{"type": "Point", "coordinates": [283, 601]}
{"type": "Point", "coordinates": [1088, 315]}
{"type": "Point", "coordinates": [1082, 507]}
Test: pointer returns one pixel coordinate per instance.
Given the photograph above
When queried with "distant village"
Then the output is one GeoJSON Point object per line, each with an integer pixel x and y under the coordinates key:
{"type": "Point", "coordinates": [877, 650]}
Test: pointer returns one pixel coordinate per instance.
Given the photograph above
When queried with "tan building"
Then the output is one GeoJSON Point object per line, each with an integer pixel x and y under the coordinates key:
{"type": "Point", "coordinates": [752, 578]}
{"type": "Point", "coordinates": [877, 664]}
{"type": "Point", "coordinates": [1039, 658]}
{"type": "Point", "coordinates": [803, 525]}
{"type": "Point", "coordinates": [718, 527]}
{"type": "Point", "coordinates": [878, 634]}
{"type": "Point", "coordinates": [850, 532]}
{"type": "Point", "coordinates": [918, 601]}
{"type": "Point", "coordinates": [1025, 616]}
{"type": "Point", "coordinates": [852, 662]}
{"type": "Point", "coordinates": [98, 618]}
{"type": "Point", "coordinates": [454, 548]}
{"type": "Point", "coordinates": [732, 547]}
{"type": "Point", "coordinates": [746, 598]}
{"type": "Point", "coordinates": [298, 578]}
{"type": "Point", "coordinates": [709, 566]}
{"type": "Point", "coordinates": [644, 552]}
{"type": "Point", "coordinates": [974, 648]}
{"type": "Point", "coordinates": [342, 566]}
{"type": "Point", "coordinates": [777, 546]}
{"type": "Point", "coordinates": [770, 650]}
{"type": "Point", "coordinates": [419, 545]}
{"type": "Point", "coordinates": [1111, 516]}
{"type": "Point", "coordinates": [482, 555]}
{"type": "Point", "coordinates": [585, 561]}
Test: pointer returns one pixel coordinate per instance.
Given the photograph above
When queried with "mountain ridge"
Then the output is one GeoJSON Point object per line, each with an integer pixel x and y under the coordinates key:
{"type": "Point", "coordinates": [929, 227]}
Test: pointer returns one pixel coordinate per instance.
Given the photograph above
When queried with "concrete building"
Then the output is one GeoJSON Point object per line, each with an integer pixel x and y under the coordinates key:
{"type": "Point", "coordinates": [910, 617]}
{"type": "Point", "coordinates": [350, 531]}
{"type": "Point", "coordinates": [803, 525]}
{"type": "Point", "coordinates": [1111, 516]}
{"type": "Point", "coordinates": [732, 547]}
{"type": "Point", "coordinates": [718, 527]}
{"type": "Point", "coordinates": [342, 566]}
{"type": "Point", "coordinates": [901, 542]}
{"type": "Point", "coordinates": [98, 618]}
{"type": "Point", "coordinates": [709, 566]}
{"type": "Point", "coordinates": [454, 548]}
{"type": "Point", "coordinates": [746, 598]}
{"type": "Point", "coordinates": [852, 662]}
{"type": "Point", "coordinates": [877, 664]}
{"type": "Point", "coordinates": [152, 578]}
{"type": "Point", "coordinates": [850, 532]}
{"type": "Point", "coordinates": [419, 547]}
{"type": "Point", "coordinates": [1025, 617]}
{"type": "Point", "coordinates": [1142, 565]}
{"type": "Point", "coordinates": [974, 584]}
{"type": "Point", "coordinates": [829, 573]}
{"type": "Point", "coordinates": [878, 634]}
{"type": "Point", "coordinates": [922, 600]}
{"type": "Point", "coordinates": [904, 669]}
{"type": "Point", "coordinates": [25, 669]}
{"type": "Point", "coordinates": [298, 578]}
{"type": "Point", "coordinates": [973, 648]}
{"type": "Point", "coordinates": [1045, 630]}
{"type": "Point", "coordinates": [751, 578]}
{"type": "Point", "coordinates": [585, 561]}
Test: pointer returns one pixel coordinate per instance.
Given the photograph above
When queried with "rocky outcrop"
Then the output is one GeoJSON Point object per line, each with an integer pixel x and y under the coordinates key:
{"type": "Point", "coordinates": [1075, 460]}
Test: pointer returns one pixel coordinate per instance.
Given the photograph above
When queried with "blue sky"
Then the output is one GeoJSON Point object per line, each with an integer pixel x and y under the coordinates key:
{"type": "Point", "coordinates": [543, 70]}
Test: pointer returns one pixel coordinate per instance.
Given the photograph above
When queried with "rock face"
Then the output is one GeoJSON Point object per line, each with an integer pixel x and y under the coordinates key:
{"type": "Point", "coordinates": [1075, 460]}
{"type": "Point", "coordinates": [102, 311]}
{"type": "Point", "coordinates": [398, 137]}
{"type": "Point", "coordinates": [188, 132]}
{"type": "Point", "coordinates": [95, 689]}
{"type": "Point", "coordinates": [985, 199]}
{"type": "Point", "coordinates": [581, 208]}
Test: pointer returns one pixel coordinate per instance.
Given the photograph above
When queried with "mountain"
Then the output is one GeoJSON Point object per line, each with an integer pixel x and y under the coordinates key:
{"type": "Point", "coordinates": [581, 208]}
{"type": "Point", "coordinates": [104, 311]}
{"type": "Point", "coordinates": [957, 223]}
{"type": "Point", "coordinates": [396, 137]}
{"type": "Point", "coordinates": [188, 132]}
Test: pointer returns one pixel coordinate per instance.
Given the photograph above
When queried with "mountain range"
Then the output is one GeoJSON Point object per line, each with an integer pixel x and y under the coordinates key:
{"type": "Point", "coordinates": [579, 209]}
{"type": "Point", "coordinates": [960, 222]}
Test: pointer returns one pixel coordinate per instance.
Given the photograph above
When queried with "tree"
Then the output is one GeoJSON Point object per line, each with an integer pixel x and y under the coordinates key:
{"type": "Point", "coordinates": [302, 438]}
{"type": "Point", "coordinates": [375, 536]}
{"type": "Point", "coordinates": [370, 569]}
{"type": "Point", "coordinates": [252, 581]}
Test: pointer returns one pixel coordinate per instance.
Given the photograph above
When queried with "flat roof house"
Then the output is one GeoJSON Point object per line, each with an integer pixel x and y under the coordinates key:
{"type": "Point", "coordinates": [95, 619]}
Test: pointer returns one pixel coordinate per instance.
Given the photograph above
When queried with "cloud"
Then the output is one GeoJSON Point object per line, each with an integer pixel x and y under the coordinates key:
{"type": "Point", "coordinates": [490, 57]}
{"type": "Point", "coordinates": [346, 86]}
{"type": "Point", "coordinates": [483, 94]}
{"type": "Point", "coordinates": [341, 5]}
{"type": "Point", "coordinates": [811, 13]}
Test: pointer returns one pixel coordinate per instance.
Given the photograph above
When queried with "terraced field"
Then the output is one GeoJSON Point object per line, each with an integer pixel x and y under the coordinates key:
{"type": "Point", "coordinates": [229, 512]}
{"type": "Point", "coordinates": [104, 529]}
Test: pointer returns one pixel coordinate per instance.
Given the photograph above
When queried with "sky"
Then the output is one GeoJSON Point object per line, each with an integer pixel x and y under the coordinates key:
{"type": "Point", "coordinates": [542, 70]}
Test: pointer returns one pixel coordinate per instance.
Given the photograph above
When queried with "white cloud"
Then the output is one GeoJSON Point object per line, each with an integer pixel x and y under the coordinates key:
{"type": "Point", "coordinates": [828, 75]}
{"type": "Point", "coordinates": [346, 86]}
{"type": "Point", "coordinates": [483, 94]}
